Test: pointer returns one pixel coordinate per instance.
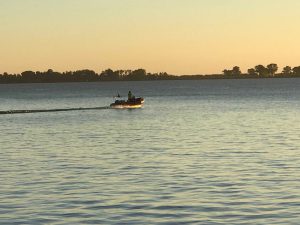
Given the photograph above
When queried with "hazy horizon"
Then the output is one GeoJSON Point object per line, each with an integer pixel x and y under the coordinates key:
{"type": "Point", "coordinates": [178, 37]}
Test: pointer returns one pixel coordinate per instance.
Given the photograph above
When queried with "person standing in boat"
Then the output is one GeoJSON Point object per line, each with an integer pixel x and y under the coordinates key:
{"type": "Point", "coordinates": [129, 96]}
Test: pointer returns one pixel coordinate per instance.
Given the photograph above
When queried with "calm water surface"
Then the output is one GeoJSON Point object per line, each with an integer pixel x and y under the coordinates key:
{"type": "Point", "coordinates": [199, 152]}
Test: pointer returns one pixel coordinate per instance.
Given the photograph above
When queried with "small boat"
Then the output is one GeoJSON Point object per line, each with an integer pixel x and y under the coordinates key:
{"type": "Point", "coordinates": [133, 103]}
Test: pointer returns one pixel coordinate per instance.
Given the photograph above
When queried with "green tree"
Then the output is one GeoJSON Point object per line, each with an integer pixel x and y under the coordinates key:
{"type": "Point", "coordinates": [139, 74]}
{"type": "Point", "coordinates": [296, 70]}
{"type": "Point", "coordinates": [272, 69]}
{"type": "Point", "coordinates": [252, 72]}
{"type": "Point", "coordinates": [28, 76]}
{"type": "Point", "coordinates": [261, 70]}
{"type": "Point", "coordinates": [109, 75]}
{"type": "Point", "coordinates": [236, 71]}
{"type": "Point", "coordinates": [287, 70]}
{"type": "Point", "coordinates": [227, 72]}
{"type": "Point", "coordinates": [85, 75]}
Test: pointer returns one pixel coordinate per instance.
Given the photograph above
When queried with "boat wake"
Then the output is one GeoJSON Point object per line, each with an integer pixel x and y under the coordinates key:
{"type": "Point", "coordinates": [50, 110]}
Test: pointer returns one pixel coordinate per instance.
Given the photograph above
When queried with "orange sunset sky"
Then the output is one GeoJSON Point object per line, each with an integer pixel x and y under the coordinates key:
{"type": "Point", "coordinates": [176, 36]}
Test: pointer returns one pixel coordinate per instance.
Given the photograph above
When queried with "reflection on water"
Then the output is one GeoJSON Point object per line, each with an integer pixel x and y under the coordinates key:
{"type": "Point", "coordinates": [199, 152]}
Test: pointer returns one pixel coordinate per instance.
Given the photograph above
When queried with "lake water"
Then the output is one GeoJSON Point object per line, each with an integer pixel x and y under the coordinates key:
{"type": "Point", "coordinates": [199, 152]}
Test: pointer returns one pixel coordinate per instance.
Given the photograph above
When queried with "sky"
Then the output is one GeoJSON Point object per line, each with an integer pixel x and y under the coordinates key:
{"type": "Point", "coordinates": [174, 36]}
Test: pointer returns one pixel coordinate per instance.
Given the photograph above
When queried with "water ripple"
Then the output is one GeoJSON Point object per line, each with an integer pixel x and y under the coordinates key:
{"type": "Point", "coordinates": [205, 155]}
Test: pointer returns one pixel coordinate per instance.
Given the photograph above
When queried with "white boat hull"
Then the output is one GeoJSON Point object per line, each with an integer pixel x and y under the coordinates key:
{"type": "Point", "coordinates": [123, 106]}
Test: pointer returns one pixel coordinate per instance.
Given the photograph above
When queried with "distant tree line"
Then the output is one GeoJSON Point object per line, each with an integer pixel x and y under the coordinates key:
{"type": "Point", "coordinates": [262, 71]}
{"type": "Point", "coordinates": [82, 76]}
{"type": "Point", "coordinates": [258, 71]}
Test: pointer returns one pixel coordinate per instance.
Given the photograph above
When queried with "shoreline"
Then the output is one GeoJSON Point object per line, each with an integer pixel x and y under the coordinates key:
{"type": "Point", "coordinates": [179, 78]}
